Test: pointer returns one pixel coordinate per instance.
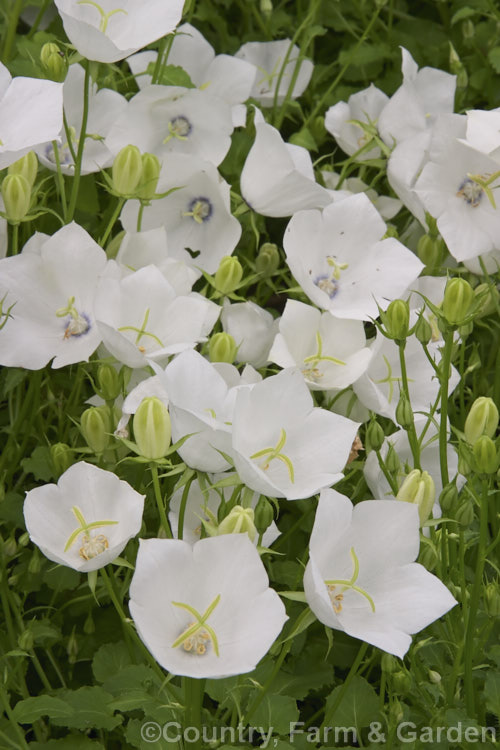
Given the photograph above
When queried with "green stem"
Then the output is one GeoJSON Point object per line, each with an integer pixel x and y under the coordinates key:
{"type": "Point", "coordinates": [193, 700]}
{"type": "Point", "coordinates": [38, 19]}
{"type": "Point", "coordinates": [411, 432]}
{"type": "Point", "coordinates": [15, 239]}
{"type": "Point", "coordinates": [81, 145]}
{"type": "Point", "coordinates": [112, 222]}
{"type": "Point", "coordinates": [443, 425]}
{"type": "Point", "coordinates": [392, 483]}
{"type": "Point", "coordinates": [14, 14]}
{"type": "Point", "coordinates": [60, 179]}
{"type": "Point", "coordinates": [327, 721]}
{"type": "Point", "coordinates": [10, 716]}
{"type": "Point", "coordinates": [182, 509]}
{"type": "Point", "coordinates": [139, 217]}
{"type": "Point", "coordinates": [159, 501]}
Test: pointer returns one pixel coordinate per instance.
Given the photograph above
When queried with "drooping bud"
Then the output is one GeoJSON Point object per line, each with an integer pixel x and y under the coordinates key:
{"type": "Point", "coordinates": [228, 275]}
{"type": "Point", "coordinates": [375, 436]}
{"type": "Point", "coordinates": [72, 647]}
{"type": "Point", "coordinates": [482, 419]}
{"type": "Point", "coordinates": [151, 166]}
{"type": "Point", "coordinates": [53, 62]}
{"type": "Point", "coordinates": [152, 428]}
{"type": "Point", "coordinates": [61, 457]}
{"type": "Point", "coordinates": [35, 563]}
{"type": "Point", "coordinates": [16, 194]}
{"type": "Point", "coordinates": [268, 259]}
{"type": "Point", "coordinates": [485, 455]}
{"type": "Point", "coordinates": [239, 521]}
{"type": "Point", "coordinates": [404, 413]}
{"type": "Point", "coordinates": [419, 488]}
{"type": "Point", "coordinates": [397, 320]}
{"type": "Point", "coordinates": [401, 682]}
{"type": "Point", "coordinates": [264, 514]}
{"type": "Point", "coordinates": [222, 348]}
{"type": "Point", "coordinates": [27, 166]}
{"type": "Point", "coordinates": [108, 382]}
{"type": "Point", "coordinates": [127, 171]}
{"type": "Point", "coordinates": [96, 427]}
{"type": "Point", "coordinates": [458, 297]}
{"type": "Point", "coordinates": [468, 29]}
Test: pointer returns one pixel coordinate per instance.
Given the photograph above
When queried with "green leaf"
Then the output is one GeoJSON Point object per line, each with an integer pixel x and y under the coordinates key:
{"type": "Point", "coordinates": [494, 59]}
{"type": "Point", "coordinates": [13, 377]}
{"type": "Point", "coordinates": [172, 75]}
{"type": "Point", "coordinates": [276, 712]}
{"type": "Point", "coordinates": [31, 709]}
{"type": "Point", "coordinates": [71, 742]}
{"type": "Point", "coordinates": [39, 464]}
{"type": "Point", "coordinates": [359, 706]}
{"type": "Point", "coordinates": [109, 660]}
{"type": "Point", "coordinates": [90, 709]}
{"type": "Point", "coordinates": [462, 14]}
{"type": "Point", "coordinates": [492, 692]}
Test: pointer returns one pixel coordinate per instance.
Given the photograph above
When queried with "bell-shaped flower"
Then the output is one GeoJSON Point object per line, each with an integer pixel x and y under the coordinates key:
{"type": "Point", "coordinates": [282, 445]}
{"type": "Point", "coordinates": [31, 113]}
{"type": "Point", "coordinates": [47, 300]}
{"type": "Point", "coordinates": [171, 119]}
{"type": "Point", "coordinates": [403, 169]}
{"type": "Point", "coordinates": [342, 121]}
{"type": "Point", "coordinates": [483, 131]}
{"type": "Point", "coordinates": [278, 178]}
{"type": "Point", "coordinates": [253, 328]}
{"type": "Point", "coordinates": [361, 576]}
{"type": "Point", "coordinates": [215, 616]}
{"type": "Point", "coordinates": [105, 106]}
{"type": "Point", "coordinates": [275, 64]}
{"type": "Point", "coordinates": [348, 267]}
{"type": "Point", "coordinates": [196, 215]}
{"type": "Point", "coordinates": [331, 353]}
{"type": "Point", "coordinates": [141, 318]}
{"type": "Point", "coordinates": [86, 519]}
{"type": "Point", "coordinates": [109, 30]}
{"type": "Point", "coordinates": [386, 206]}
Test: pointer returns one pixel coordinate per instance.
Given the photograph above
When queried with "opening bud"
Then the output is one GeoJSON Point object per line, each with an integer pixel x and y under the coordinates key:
{"type": "Point", "coordinates": [152, 428]}
{"type": "Point", "coordinates": [126, 172]}
{"type": "Point", "coordinates": [16, 194]}
{"type": "Point", "coordinates": [419, 488]}
{"type": "Point", "coordinates": [268, 259]}
{"type": "Point", "coordinates": [53, 62]}
{"type": "Point", "coordinates": [27, 166]}
{"type": "Point", "coordinates": [222, 348]}
{"type": "Point", "coordinates": [397, 320]}
{"type": "Point", "coordinates": [404, 413]}
{"type": "Point", "coordinates": [485, 455]}
{"type": "Point", "coordinates": [388, 663]}
{"type": "Point", "coordinates": [458, 297]}
{"type": "Point", "coordinates": [151, 166]}
{"type": "Point", "coordinates": [108, 382]}
{"type": "Point", "coordinates": [96, 427]}
{"type": "Point", "coordinates": [482, 419]}
{"type": "Point", "coordinates": [228, 275]}
{"type": "Point", "coordinates": [239, 521]}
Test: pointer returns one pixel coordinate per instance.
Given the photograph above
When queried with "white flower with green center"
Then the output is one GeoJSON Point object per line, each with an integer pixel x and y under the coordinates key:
{"type": "Point", "coordinates": [282, 445]}
{"type": "Point", "coordinates": [204, 610]}
{"type": "Point", "coordinates": [109, 30]}
{"type": "Point", "coordinates": [361, 576]}
{"type": "Point", "coordinates": [354, 123]}
{"type": "Point", "coordinates": [85, 520]}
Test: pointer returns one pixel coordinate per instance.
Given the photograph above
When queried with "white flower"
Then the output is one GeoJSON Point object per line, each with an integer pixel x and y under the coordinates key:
{"type": "Point", "coordinates": [204, 610]}
{"type": "Point", "coordinates": [348, 267]}
{"type": "Point", "coordinates": [331, 353]}
{"type": "Point", "coordinates": [31, 113]}
{"type": "Point", "coordinates": [269, 59]}
{"type": "Point", "coordinates": [282, 445]}
{"type": "Point", "coordinates": [342, 118]}
{"type": "Point", "coordinates": [386, 206]}
{"type": "Point", "coordinates": [47, 295]}
{"type": "Point", "coordinates": [483, 131]}
{"type": "Point", "coordinates": [361, 577]}
{"type": "Point", "coordinates": [85, 520]}
{"type": "Point", "coordinates": [109, 30]}
{"type": "Point", "coordinates": [253, 329]}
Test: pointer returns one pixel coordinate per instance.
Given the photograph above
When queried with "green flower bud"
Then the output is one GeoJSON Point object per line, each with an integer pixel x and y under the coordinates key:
{"type": "Point", "coordinates": [89, 625]}
{"type": "Point", "coordinates": [485, 455]}
{"type": "Point", "coordinates": [222, 348]}
{"type": "Point", "coordinates": [108, 381]}
{"type": "Point", "coordinates": [239, 521]}
{"type": "Point", "coordinates": [482, 419]}
{"type": "Point", "coordinates": [419, 488]}
{"type": "Point", "coordinates": [127, 171]}
{"type": "Point", "coordinates": [264, 514]}
{"type": "Point", "coordinates": [457, 68]}
{"type": "Point", "coordinates": [268, 259]}
{"type": "Point", "coordinates": [431, 250]}
{"type": "Point", "coordinates": [26, 640]}
{"type": "Point", "coordinates": [392, 460]}
{"type": "Point", "coordinates": [489, 299]}
{"type": "Point", "coordinates": [375, 436]}
{"type": "Point", "coordinates": [16, 194]}
{"type": "Point", "coordinates": [35, 563]}
{"type": "Point", "coordinates": [423, 330]}
{"type": "Point", "coordinates": [428, 557]}
{"type": "Point", "coordinates": [492, 599]}
{"type": "Point", "coordinates": [391, 231]}
{"type": "Point", "coordinates": [151, 166]}
{"type": "Point", "coordinates": [397, 320]}
{"type": "Point", "coordinates": [115, 244]}
{"type": "Point", "coordinates": [61, 457]}
{"type": "Point", "coordinates": [388, 663]}
{"type": "Point", "coordinates": [27, 166]}
{"type": "Point", "coordinates": [266, 7]}
{"type": "Point", "coordinates": [458, 297]}
{"type": "Point", "coordinates": [24, 539]}
{"type": "Point", "coordinates": [95, 425]}
{"type": "Point", "coordinates": [152, 428]}
{"type": "Point", "coordinates": [401, 682]}
{"type": "Point", "coordinates": [465, 513]}
{"type": "Point", "coordinates": [404, 413]}
{"type": "Point", "coordinates": [396, 711]}
{"type": "Point", "coordinates": [53, 62]}
{"type": "Point", "coordinates": [10, 547]}
{"type": "Point", "coordinates": [434, 676]}
{"type": "Point", "coordinates": [72, 647]}
{"type": "Point", "coordinates": [228, 275]}
{"type": "Point", "coordinates": [468, 29]}
{"type": "Point", "coordinates": [448, 499]}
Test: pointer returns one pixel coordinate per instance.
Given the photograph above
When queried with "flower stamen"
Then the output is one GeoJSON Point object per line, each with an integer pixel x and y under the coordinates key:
{"type": "Point", "coordinates": [194, 638]}
{"type": "Point", "coordinates": [103, 25]}
{"type": "Point", "coordinates": [336, 599]}
{"type": "Point", "coordinates": [275, 453]}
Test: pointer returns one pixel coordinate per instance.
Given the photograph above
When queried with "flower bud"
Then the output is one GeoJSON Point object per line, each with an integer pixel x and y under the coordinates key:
{"type": "Point", "coordinates": [419, 488]}
{"type": "Point", "coordinates": [152, 428]}
{"type": "Point", "coordinates": [222, 348]}
{"type": "Point", "coordinates": [423, 330]}
{"type": "Point", "coordinates": [24, 539]}
{"type": "Point", "coordinates": [53, 62]}
{"type": "Point", "coordinates": [430, 250]}
{"type": "Point", "coordinates": [465, 513]}
{"type": "Point", "coordinates": [457, 68]}
{"type": "Point", "coordinates": [489, 299]}
{"type": "Point", "coordinates": [9, 547]}
{"type": "Point", "coordinates": [397, 320]}
{"type": "Point", "coordinates": [26, 640]}
{"type": "Point", "coordinates": [72, 647]}
{"type": "Point", "coordinates": [266, 7]}
{"type": "Point", "coordinates": [396, 712]}
{"type": "Point", "coordinates": [35, 563]}
{"type": "Point", "coordinates": [404, 413]}
{"type": "Point", "coordinates": [61, 457]}
{"type": "Point", "coordinates": [228, 275]}
{"type": "Point", "coordinates": [482, 419]}
{"type": "Point", "coordinates": [392, 460]}
{"type": "Point", "coordinates": [448, 499]}
{"type": "Point", "coordinates": [485, 455]}
{"type": "Point", "coordinates": [127, 171]}
{"type": "Point", "coordinates": [239, 521]}
{"type": "Point", "coordinates": [492, 599]}
{"type": "Point", "coordinates": [375, 436]}
{"type": "Point", "coordinates": [401, 682]}
{"type": "Point", "coordinates": [27, 166]}
{"type": "Point", "coordinates": [428, 557]}
{"type": "Point", "coordinates": [108, 382]}
{"type": "Point", "coordinates": [95, 425]}
{"type": "Point", "coordinates": [151, 166]}
{"type": "Point", "coordinates": [468, 29]}
{"type": "Point", "coordinates": [434, 676]}
{"type": "Point", "coordinates": [16, 194]}
{"type": "Point", "coordinates": [89, 625]}
{"type": "Point", "coordinates": [458, 297]}
{"type": "Point", "coordinates": [268, 259]}
{"type": "Point", "coordinates": [264, 514]}
{"type": "Point", "coordinates": [388, 663]}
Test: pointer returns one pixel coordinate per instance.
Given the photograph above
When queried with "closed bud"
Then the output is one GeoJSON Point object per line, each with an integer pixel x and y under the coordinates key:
{"type": "Point", "coordinates": [404, 413]}
{"type": "Point", "coordinates": [228, 275]}
{"type": "Point", "coordinates": [375, 436]}
{"type": "Point", "coordinates": [466, 330]}
{"type": "Point", "coordinates": [397, 319]}
{"type": "Point", "coordinates": [401, 682]}
{"type": "Point", "coordinates": [35, 563]}
{"type": "Point", "coordinates": [388, 663]}
{"type": "Point", "coordinates": [264, 514]}
{"type": "Point", "coordinates": [423, 330]}
{"type": "Point", "coordinates": [391, 231]}
{"type": "Point", "coordinates": [222, 348]}
{"type": "Point", "coordinates": [396, 711]}
{"type": "Point", "coordinates": [468, 29]}
{"type": "Point", "coordinates": [95, 425]}
{"type": "Point", "coordinates": [431, 250]}
{"type": "Point", "coordinates": [457, 68]}
{"type": "Point", "coordinates": [16, 194]}
{"type": "Point", "coordinates": [482, 419]}
{"type": "Point", "coordinates": [448, 499]}
{"type": "Point", "coordinates": [458, 297]}
{"type": "Point", "coordinates": [465, 513]}
{"type": "Point", "coordinates": [26, 640]}
{"type": "Point", "coordinates": [492, 599]}
{"type": "Point", "coordinates": [485, 455]}
{"type": "Point", "coordinates": [419, 488]}
{"type": "Point", "coordinates": [72, 647]}
{"type": "Point", "coordinates": [53, 62]}
{"type": "Point", "coordinates": [152, 428]}
{"type": "Point", "coordinates": [24, 539]}
{"type": "Point", "coordinates": [268, 259]}
{"type": "Point", "coordinates": [434, 677]}
{"type": "Point", "coordinates": [428, 557]}
{"type": "Point", "coordinates": [392, 460]}
{"type": "Point", "coordinates": [239, 521]}
{"type": "Point", "coordinates": [9, 547]}
{"type": "Point", "coordinates": [151, 166]}
{"type": "Point", "coordinates": [127, 171]}
{"type": "Point", "coordinates": [266, 7]}
{"type": "Point", "coordinates": [61, 457]}
{"type": "Point", "coordinates": [489, 299]}
{"type": "Point", "coordinates": [108, 382]}
{"type": "Point", "coordinates": [89, 625]}
{"type": "Point", "coordinates": [27, 166]}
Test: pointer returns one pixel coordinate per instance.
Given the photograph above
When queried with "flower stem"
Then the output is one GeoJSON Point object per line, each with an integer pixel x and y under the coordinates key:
{"type": "Point", "coordinates": [352, 672]}
{"type": "Point", "coordinates": [193, 704]}
{"type": "Point", "coordinates": [411, 432]}
{"type": "Point", "coordinates": [159, 501]}
{"type": "Point", "coordinates": [443, 425]}
{"type": "Point", "coordinates": [81, 145]}
{"type": "Point", "coordinates": [11, 30]}
{"type": "Point", "coordinates": [112, 222]}
{"type": "Point", "coordinates": [60, 179]}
